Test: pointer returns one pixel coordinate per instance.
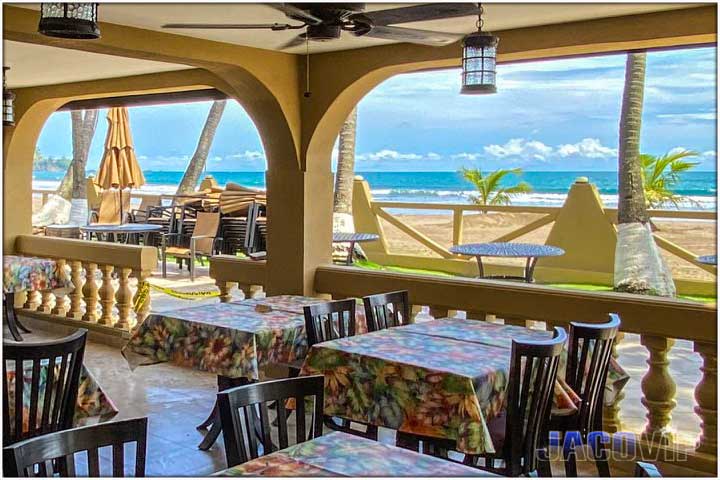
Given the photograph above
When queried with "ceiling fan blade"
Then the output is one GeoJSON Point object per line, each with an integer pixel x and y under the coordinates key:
{"type": "Point", "coordinates": [233, 26]}
{"type": "Point", "coordinates": [299, 40]}
{"type": "Point", "coordinates": [411, 35]}
{"type": "Point", "coordinates": [420, 13]}
{"type": "Point", "coordinates": [296, 13]}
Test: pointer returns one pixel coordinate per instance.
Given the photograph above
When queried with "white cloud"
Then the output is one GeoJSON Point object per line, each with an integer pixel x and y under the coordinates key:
{"type": "Point", "coordinates": [682, 117]}
{"type": "Point", "coordinates": [587, 147]}
{"type": "Point", "coordinates": [389, 155]}
{"type": "Point", "coordinates": [520, 148]}
{"type": "Point", "coordinates": [247, 155]}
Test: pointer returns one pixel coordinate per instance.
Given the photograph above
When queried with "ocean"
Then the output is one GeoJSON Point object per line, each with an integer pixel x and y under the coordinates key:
{"type": "Point", "coordinates": [549, 188]}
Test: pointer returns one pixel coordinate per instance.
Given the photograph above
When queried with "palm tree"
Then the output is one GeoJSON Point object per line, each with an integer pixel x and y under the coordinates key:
{"type": "Point", "coordinates": [72, 186]}
{"type": "Point", "coordinates": [661, 173]}
{"type": "Point", "coordinates": [490, 191]}
{"type": "Point", "coordinates": [197, 163]}
{"type": "Point", "coordinates": [639, 267]}
{"type": "Point", "coordinates": [342, 202]}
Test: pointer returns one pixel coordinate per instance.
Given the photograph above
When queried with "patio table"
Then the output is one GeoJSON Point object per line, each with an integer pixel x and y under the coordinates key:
{"type": "Point", "coordinates": [708, 259]}
{"type": "Point", "coordinates": [445, 378]}
{"type": "Point", "coordinates": [339, 454]}
{"type": "Point", "coordinates": [508, 250]}
{"type": "Point", "coordinates": [233, 340]}
{"type": "Point", "coordinates": [352, 239]}
{"type": "Point", "coordinates": [28, 274]}
{"type": "Point", "coordinates": [92, 402]}
{"type": "Point", "coordinates": [108, 229]}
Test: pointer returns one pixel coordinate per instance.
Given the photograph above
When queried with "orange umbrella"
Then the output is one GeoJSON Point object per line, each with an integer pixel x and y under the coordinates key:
{"type": "Point", "coordinates": [119, 167]}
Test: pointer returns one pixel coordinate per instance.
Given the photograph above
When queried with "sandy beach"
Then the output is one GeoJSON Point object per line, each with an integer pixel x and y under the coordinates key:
{"type": "Point", "coordinates": [698, 237]}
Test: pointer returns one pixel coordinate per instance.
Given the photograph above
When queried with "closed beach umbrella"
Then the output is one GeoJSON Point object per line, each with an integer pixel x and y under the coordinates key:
{"type": "Point", "coordinates": [119, 166]}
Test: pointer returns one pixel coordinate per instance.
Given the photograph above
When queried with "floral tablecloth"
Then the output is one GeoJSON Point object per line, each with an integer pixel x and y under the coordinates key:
{"type": "Point", "coordinates": [446, 378]}
{"type": "Point", "coordinates": [92, 402]}
{"type": "Point", "coordinates": [31, 273]}
{"type": "Point", "coordinates": [230, 339]}
{"type": "Point", "coordinates": [341, 455]}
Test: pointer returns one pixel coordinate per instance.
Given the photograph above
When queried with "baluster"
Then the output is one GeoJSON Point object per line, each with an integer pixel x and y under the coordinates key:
{"type": "Point", "coordinates": [123, 299]}
{"type": "Point", "coordinates": [142, 305]}
{"type": "Point", "coordinates": [90, 293]}
{"type": "Point", "coordinates": [611, 412]}
{"type": "Point", "coordinates": [706, 397]}
{"type": "Point", "coordinates": [107, 295]}
{"type": "Point", "coordinates": [32, 300]}
{"type": "Point", "coordinates": [245, 289]}
{"type": "Point", "coordinates": [225, 288]}
{"type": "Point", "coordinates": [658, 389]}
{"type": "Point", "coordinates": [414, 311]}
{"type": "Point", "coordinates": [255, 290]}
{"type": "Point", "coordinates": [60, 307]}
{"type": "Point", "coordinates": [76, 294]}
{"type": "Point", "coordinates": [46, 302]}
{"type": "Point", "coordinates": [458, 218]}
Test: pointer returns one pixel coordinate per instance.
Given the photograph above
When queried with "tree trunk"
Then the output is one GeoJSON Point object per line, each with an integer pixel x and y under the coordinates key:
{"type": "Point", "coordinates": [346, 165]}
{"type": "Point", "coordinates": [639, 267]}
{"type": "Point", "coordinates": [72, 185]}
{"type": "Point", "coordinates": [197, 163]}
{"type": "Point", "coordinates": [631, 195]}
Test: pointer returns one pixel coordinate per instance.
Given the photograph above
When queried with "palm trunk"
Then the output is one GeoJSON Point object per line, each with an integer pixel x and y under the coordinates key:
{"type": "Point", "coordinates": [639, 267]}
{"type": "Point", "coordinates": [197, 163]}
{"type": "Point", "coordinates": [72, 185]}
{"type": "Point", "coordinates": [346, 165]}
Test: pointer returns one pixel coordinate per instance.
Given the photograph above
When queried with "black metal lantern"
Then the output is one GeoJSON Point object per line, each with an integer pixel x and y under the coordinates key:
{"type": "Point", "coordinates": [69, 20]}
{"type": "Point", "coordinates": [8, 113]}
{"type": "Point", "coordinates": [478, 61]}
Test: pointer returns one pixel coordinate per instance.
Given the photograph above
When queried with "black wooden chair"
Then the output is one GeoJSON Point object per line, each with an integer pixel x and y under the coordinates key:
{"type": "Point", "coordinates": [54, 454]}
{"type": "Point", "coordinates": [330, 321]}
{"type": "Point", "coordinates": [386, 310]}
{"type": "Point", "coordinates": [61, 362]}
{"type": "Point", "coordinates": [644, 469]}
{"type": "Point", "coordinates": [517, 434]}
{"type": "Point", "coordinates": [589, 354]}
{"type": "Point", "coordinates": [244, 415]}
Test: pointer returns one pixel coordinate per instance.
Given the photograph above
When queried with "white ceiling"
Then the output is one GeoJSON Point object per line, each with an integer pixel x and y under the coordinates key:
{"type": "Point", "coordinates": [34, 65]}
{"type": "Point", "coordinates": [498, 16]}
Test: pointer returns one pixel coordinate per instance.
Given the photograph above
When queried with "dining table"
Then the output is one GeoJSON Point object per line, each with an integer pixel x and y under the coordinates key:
{"type": "Point", "coordinates": [446, 378]}
{"type": "Point", "coordinates": [531, 252]}
{"type": "Point", "coordinates": [237, 341]}
{"type": "Point", "coordinates": [339, 454]}
{"type": "Point", "coordinates": [28, 274]}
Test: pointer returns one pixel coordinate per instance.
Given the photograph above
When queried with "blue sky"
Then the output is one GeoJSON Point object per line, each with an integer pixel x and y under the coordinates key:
{"type": "Point", "coordinates": [553, 115]}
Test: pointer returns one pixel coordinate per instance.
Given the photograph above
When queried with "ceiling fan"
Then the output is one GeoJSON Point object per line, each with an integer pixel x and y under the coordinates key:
{"type": "Point", "coordinates": [326, 21]}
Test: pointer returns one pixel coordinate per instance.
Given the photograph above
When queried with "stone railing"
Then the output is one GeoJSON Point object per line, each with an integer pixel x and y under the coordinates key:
{"type": "Point", "coordinates": [659, 323]}
{"type": "Point", "coordinates": [105, 278]}
{"type": "Point", "coordinates": [229, 271]}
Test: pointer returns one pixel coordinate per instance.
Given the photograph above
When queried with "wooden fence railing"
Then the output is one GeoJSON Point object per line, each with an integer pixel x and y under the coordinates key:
{"type": "Point", "coordinates": [103, 294]}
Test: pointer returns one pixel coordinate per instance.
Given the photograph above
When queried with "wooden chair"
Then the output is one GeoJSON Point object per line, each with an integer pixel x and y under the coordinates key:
{"type": "Point", "coordinates": [55, 453]}
{"type": "Point", "coordinates": [330, 321]}
{"type": "Point", "coordinates": [58, 392]}
{"type": "Point", "coordinates": [386, 310]}
{"type": "Point", "coordinates": [533, 371]}
{"type": "Point", "coordinates": [589, 353]}
{"type": "Point", "coordinates": [203, 242]}
{"type": "Point", "coordinates": [644, 469]}
{"type": "Point", "coordinates": [142, 213]}
{"type": "Point", "coordinates": [246, 425]}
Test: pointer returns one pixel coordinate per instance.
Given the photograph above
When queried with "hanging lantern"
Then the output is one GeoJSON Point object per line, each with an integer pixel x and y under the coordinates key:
{"type": "Point", "coordinates": [8, 102]}
{"type": "Point", "coordinates": [69, 20]}
{"type": "Point", "coordinates": [478, 61]}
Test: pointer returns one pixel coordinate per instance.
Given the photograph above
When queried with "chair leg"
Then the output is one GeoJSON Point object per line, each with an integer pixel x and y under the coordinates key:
{"type": "Point", "coordinates": [600, 453]}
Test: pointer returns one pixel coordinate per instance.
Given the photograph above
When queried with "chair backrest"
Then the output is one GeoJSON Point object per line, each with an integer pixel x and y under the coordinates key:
{"type": "Point", "coordinates": [93, 193]}
{"type": "Point", "coordinates": [644, 469]}
{"type": "Point", "coordinates": [251, 228]}
{"type": "Point", "coordinates": [589, 352]}
{"type": "Point", "coordinates": [40, 386]}
{"type": "Point", "coordinates": [531, 381]}
{"type": "Point", "coordinates": [149, 201]}
{"type": "Point", "coordinates": [328, 321]}
{"type": "Point", "coordinates": [207, 224]}
{"type": "Point", "coordinates": [55, 453]}
{"type": "Point", "coordinates": [385, 310]}
{"type": "Point", "coordinates": [246, 425]}
{"type": "Point", "coordinates": [110, 206]}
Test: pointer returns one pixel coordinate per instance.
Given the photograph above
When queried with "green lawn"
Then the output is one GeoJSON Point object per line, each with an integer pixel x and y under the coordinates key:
{"type": "Point", "coordinates": [572, 286]}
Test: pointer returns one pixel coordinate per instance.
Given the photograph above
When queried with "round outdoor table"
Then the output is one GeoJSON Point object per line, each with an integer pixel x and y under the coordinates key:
{"type": "Point", "coordinates": [708, 259]}
{"type": "Point", "coordinates": [508, 250]}
{"type": "Point", "coordinates": [126, 228]}
{"type": "Point", "coordinates": [352, 239]}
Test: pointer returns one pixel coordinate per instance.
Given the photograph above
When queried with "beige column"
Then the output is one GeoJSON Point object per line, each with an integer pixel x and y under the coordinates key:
{"type": "Point", "coordinates": [658, 389]}
{"type": "Point", "coordinates": [706, 397]}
